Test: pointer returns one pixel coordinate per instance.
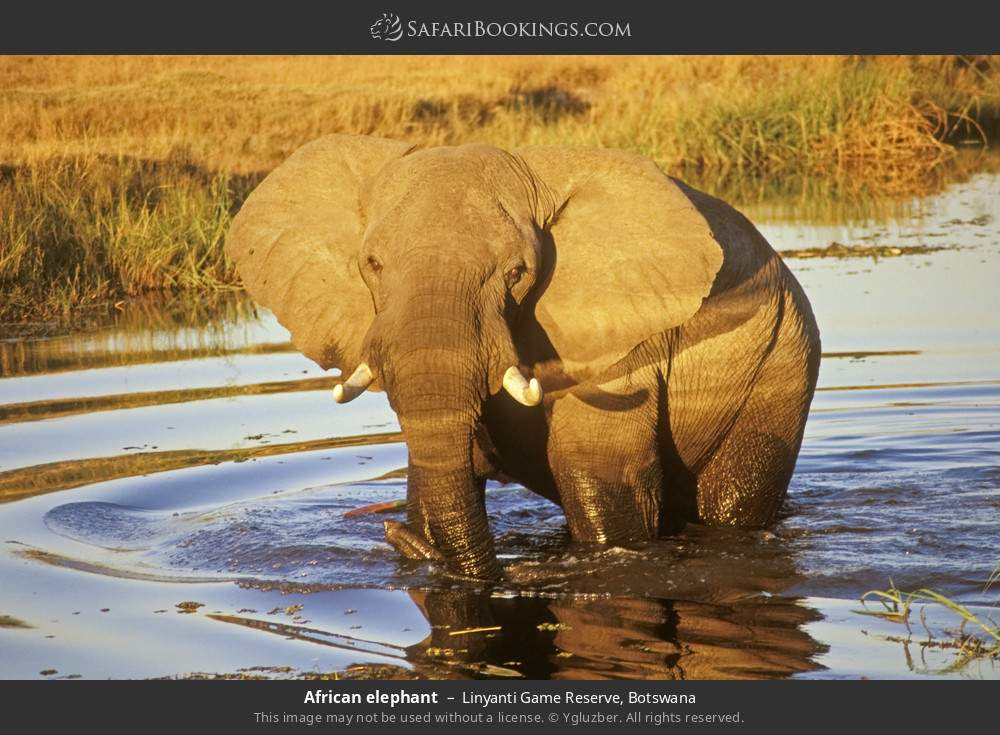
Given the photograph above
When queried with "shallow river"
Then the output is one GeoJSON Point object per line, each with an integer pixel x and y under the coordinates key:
{"type": "Point", "coordinates": [187, 454]}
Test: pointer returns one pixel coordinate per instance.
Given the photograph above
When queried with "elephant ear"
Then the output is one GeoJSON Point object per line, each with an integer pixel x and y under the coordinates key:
{"type": "Point", "coordinates": [633, 256]}
{"type": "Point", "coordinates": [295, 243]}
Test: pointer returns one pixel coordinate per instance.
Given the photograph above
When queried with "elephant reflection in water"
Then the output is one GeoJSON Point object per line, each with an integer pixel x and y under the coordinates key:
{"type": "Point", "coordinates": [623, 638]}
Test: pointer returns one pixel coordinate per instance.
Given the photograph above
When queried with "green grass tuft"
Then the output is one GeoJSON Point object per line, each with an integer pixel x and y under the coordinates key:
{"type": "Point", "coordinates": [897, 605]}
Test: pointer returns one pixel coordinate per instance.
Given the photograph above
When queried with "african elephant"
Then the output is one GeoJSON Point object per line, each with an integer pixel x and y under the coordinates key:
{"type": "Point", "coordinates": [622, 344]}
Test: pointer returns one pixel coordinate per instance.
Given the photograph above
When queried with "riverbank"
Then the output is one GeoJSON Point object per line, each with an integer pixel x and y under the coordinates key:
{"type": "Point", "coordinates": [119, 176]}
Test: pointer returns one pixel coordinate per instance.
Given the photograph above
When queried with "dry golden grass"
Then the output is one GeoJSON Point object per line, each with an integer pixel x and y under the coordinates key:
{"type": "Point", "coordinates": [119, 174]}
{"type": "Point", "coordinates": [245, 114]}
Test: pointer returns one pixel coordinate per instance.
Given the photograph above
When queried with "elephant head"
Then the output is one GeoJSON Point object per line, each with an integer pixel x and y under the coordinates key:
{"type": "Point", "coordinates": [446, 275]}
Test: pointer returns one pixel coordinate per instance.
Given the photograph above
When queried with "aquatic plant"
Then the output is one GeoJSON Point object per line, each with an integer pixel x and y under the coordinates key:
{"type": "Point", "coordinates": [982, 643]}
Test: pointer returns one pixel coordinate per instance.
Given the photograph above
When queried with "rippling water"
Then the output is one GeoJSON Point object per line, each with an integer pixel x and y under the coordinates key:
{"type": "Point", "coordinates": [188, 454]}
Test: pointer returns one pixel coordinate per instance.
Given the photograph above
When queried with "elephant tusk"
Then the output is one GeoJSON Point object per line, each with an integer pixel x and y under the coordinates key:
{"type": "Point", "coordinates": [354, 386]}
{"type": "Point", "coordinates": [524, 392]}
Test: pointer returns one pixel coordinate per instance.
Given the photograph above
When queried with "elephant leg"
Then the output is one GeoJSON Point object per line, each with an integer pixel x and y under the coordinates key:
{"type": "Point", "coordinates": [745, 481]}
{"type": "Point", "coordinates": [604, 459]}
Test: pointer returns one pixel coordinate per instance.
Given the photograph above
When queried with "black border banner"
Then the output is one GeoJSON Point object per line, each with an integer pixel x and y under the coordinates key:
{"type": "Point", "coordinates": [510, 27]}
{"type": "Point", "coordinates": [463, 706]}
{"type": "Point", "coordinates": [336, 27]}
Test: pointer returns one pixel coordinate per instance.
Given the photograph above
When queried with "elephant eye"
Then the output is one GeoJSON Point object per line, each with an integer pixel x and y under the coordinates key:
{"type": "Point", "coordinates": [375, 264]}
{"type": "Point", "coordinates": [514, 275]}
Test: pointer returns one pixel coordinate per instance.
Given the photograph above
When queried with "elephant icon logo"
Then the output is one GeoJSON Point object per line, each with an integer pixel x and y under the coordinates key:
{"type": "Point", "coordinates": [387, 28]}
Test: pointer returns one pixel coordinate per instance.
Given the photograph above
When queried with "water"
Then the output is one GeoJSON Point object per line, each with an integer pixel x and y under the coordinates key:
{"type": "Point", "coordinates": [185, 453]}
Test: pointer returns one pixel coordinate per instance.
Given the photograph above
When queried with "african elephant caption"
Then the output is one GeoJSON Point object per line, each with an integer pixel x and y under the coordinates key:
{"type": "Point", "coordinates": [623, 345]}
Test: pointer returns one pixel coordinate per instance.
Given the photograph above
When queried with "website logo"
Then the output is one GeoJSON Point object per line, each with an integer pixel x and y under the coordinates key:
{"type": "Point", "coordinates": [390, 28]}
{"type": "Point", "coordinates": [387, 28]}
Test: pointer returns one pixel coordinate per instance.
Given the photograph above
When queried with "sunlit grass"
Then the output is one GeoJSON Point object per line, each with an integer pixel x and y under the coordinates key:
{"type": "Point", "coordinates": [119, 175]}
{"type": "Point", "coordinates": [78, 231]}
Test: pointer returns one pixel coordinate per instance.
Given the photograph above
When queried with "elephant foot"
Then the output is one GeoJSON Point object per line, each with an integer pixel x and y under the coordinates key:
{"type": "Point", "coordinates": [410, 544]}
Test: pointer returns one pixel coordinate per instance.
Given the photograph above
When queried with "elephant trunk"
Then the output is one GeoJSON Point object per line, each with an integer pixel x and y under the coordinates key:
{"type": "Point", "coordinates": [437, 375]}
{"type": "Point", "coordinates": [447, 507]}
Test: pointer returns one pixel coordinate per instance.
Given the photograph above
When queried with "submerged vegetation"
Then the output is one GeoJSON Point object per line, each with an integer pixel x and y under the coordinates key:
{"type": "Point", "coordinates": [839, 250]}
{"type": "Point", "coordinates": [120, 175]}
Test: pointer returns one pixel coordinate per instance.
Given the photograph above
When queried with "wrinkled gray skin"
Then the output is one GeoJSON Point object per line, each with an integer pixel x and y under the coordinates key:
{"type": "Point", "coordinates": [677, 354]}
